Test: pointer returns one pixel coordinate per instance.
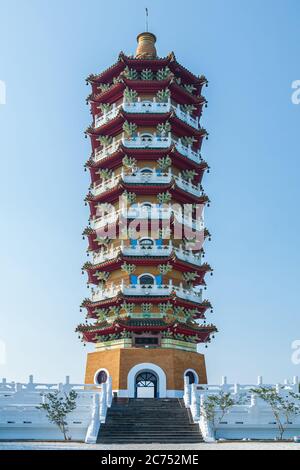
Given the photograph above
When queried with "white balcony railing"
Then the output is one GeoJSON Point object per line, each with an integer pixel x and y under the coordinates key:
{"type": "Point", "coordinates": [144, 251]}
{"type": "Point", "coordinates": [188, 151]}
{"type": "Point", "coordinates": [148, 141]}
{"type": "Point", "coordinates": [140, 250]}
{"type": "Point", "coordinates": [104, 152]}
{"type": "Point", "coordinates": [147, 107]}
{"type": "Point", "coordinates": [102, 119]}
{"type": "Point", "coordinates": [186, 117]}
{"type": "Point", "coordinates": [139, 290]}
{"type": "Point", "coordinates": [154, 177]}
{"type": "Point", "coordinates": [139, 177]}
{"type": "Point", "coordinates": [189, 256]}
{"type": "Point", "coordinates": [188, 186]}
{"type": "Point", "coordinates": [151, 212]}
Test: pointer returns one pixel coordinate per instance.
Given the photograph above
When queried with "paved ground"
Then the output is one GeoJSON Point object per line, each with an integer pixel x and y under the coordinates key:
{"type": "Point", "coordinates": [220, 446]}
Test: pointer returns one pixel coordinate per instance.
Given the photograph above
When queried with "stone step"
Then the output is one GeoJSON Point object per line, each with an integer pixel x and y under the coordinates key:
{"type": "Point", "coordinates": [149, 421]}
{"type": "Point", "coordinates": [150, 441]}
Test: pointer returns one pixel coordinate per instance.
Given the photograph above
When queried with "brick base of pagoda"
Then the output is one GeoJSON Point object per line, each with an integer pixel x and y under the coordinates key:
{"type": "Point", "coordinates": [169, 365]}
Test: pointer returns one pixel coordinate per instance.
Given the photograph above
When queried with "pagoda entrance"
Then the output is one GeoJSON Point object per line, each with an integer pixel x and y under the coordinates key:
{"type": "Point", "coordinates": [146, 385]}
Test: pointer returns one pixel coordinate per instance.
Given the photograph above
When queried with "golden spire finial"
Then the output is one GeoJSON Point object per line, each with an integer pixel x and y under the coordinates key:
{"type": "Point", "coordinates": [146, 46]}
{"type": "Point", "coordinates": [146, 43]}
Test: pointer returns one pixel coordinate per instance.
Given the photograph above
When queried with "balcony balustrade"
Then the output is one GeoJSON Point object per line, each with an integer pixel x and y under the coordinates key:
{"type": "Point", "coordinates": [141, 290]}
{"type": "Point", "coordinates": [140, 178]}
{"type": "Point", "coordinates": [187, 151]}
{"type": "Point", "coordinates": [147, 212]}
{"type": "Point", "coordinates": [147, 107]}
{"type": "Point", "coordinates": [147, 141]}
{"type": "Point", "coordinates": [143, 251]}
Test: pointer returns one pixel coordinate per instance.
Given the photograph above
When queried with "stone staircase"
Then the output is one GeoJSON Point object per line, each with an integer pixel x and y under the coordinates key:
{"type": "Point", "coordinates": [133, 421]}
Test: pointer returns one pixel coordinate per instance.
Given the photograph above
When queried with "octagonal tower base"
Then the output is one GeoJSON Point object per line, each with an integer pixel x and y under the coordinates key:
{"type": "Point", "coordinates": [168, 367]}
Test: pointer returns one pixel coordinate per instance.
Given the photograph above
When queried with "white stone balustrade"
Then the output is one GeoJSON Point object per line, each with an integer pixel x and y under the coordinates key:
{"type": "Point", "coordinates": [146, 212]}
{"type": "Point", "coordinates": [20, 418]}
{"type": "Point", "coordinates": [152, 251]}
{"type": "Point", "coordinates": [105, 185]}
{"type": "Point", "coordinates": [139, 290]}
{"type": "Point", "coordinates": [147, 107]}
{"type": "Point", "coordinates": [139, 177]}
{"type": "Point", "coordinates": [141, 141]}
{"type": "Point", "coordinates": [188, 186]}
{"type": "Point", "coordinates": [102, 119]}
{"type": "Point", "coordinates": [186, 117]}
{"type": "Point", "coordinates": [189, 256]}
{"type": "Point", "coordinates": [188, 152]}
{"type": "Point", "coordinates": [249, 418]}
{"type": "Point", "coordinates": [107, 150]}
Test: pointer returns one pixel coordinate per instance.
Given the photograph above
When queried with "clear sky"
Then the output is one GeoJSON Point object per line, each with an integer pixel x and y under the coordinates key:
{"type": "Point", "coordinates": [250, 53]}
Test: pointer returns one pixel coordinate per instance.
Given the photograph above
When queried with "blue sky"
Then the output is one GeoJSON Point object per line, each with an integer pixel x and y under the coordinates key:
{"type": "Point", "coordinates": [250, 53]}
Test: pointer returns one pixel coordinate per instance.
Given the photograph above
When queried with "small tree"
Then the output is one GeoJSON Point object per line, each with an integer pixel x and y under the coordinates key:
{"type": "Point", "coordinates": [57, 407]}
{"type": "Point", "coordinates": [217, 403]}
{"type": "Point", "coordinates": [282, 408]}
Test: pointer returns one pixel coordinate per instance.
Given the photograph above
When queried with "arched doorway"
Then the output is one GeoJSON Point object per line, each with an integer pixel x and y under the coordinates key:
{"type": "Point", "coordinates": [146, 384]}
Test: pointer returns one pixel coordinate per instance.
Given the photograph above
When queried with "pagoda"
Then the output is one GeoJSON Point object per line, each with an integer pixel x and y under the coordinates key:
{"type": "Point", "coordinates": [146, 314]}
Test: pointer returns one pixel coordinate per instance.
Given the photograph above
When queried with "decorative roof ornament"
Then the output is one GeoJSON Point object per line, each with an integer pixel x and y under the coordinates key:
{"type": "Point", "coordinates": [146, 46]}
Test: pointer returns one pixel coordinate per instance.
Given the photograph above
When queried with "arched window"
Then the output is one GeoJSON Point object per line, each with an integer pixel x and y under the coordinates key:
{"type": "Point", "coordinates": [146, 243]}
{"type": "Point", "coordinates": [192, 377]}
{"type": "Point", "coordinates": [146, 171]}
{"type": "Point", "coordinates": [147, 138]}
{"type": "Point", "coordinates": [147, 280]}
{"type": "Point", "coordinates": [147, 208]}
{"type": "Point", "coordinates": [101, 377]}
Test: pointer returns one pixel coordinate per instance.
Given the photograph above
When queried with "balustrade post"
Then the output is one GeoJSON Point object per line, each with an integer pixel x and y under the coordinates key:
{"type": "Point", "coordinates": [187, 392]}
{"type": "Point", "coordinates": [236, 389]}
{"type": "Point", "coordinates": [103, 403]}
{"type": "Point", "coordinates": [260, 380]}
{"type": "Point", "coordinates": [30, 385]}
{"type": "Point", "coordinates": [253, 400]}
{"type": "Point", "coordinates": [195, 403]}
{"type": "Point", "coordinates": [93, 429]}
{"type": "Point", "coordinates": [109, 391]}
{"type": "Point", "coordinates": [296, 384]}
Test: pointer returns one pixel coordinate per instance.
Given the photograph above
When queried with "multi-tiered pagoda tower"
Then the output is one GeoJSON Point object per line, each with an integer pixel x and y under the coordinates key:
{"type": "Point", "coordinates": [146, 314]}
